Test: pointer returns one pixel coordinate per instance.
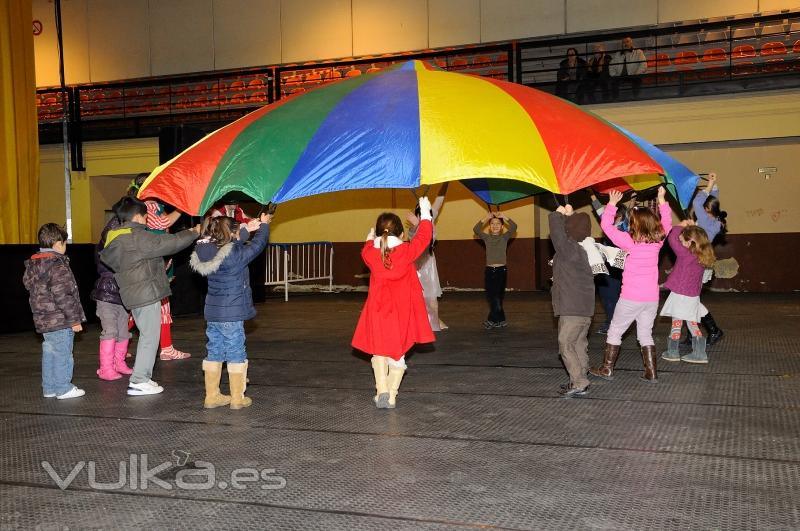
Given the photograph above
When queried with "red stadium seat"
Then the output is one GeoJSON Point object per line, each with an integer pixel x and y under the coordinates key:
{"type": "Point", "coordinates": [258, 97]}
{"type": "Point", "coordinates": [459, 63]}
{"type": "Point", "coordinates": [658, 61]}
{"type": "Point", "coordinates": [685, 60]}
{"type": "Point", "coordinates": [743, 51]}
{"type": "Point", "coordinates": [353, 72]}
{"type": "Point", "coordinates": [742, 57]}
{"type": "Point", "coordinates": [482, 61]}
{"type": "Point", "coordinates": [774, 64]}
{"type": "Point", "coordinates": [237, 99]}
{"type": "Point", "coordinates": [714, 55]}
{"type": "Point", "coordinates": [773, 48]}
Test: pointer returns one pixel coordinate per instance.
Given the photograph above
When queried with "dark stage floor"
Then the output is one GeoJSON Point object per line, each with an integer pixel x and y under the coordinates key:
{"type": "Point", "coordinates": [479, 438]}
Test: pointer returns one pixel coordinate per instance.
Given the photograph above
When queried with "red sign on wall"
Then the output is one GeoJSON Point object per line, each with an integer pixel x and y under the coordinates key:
{"type": "Point", "coordinates": [37, 27]}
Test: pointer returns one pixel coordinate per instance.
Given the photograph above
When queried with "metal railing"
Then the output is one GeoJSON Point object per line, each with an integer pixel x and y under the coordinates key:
{"type": "Point", "coordinates": [289, 263]}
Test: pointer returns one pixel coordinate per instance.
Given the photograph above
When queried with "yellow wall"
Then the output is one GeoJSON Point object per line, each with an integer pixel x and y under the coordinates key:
{"type": "Point", "coordinates": [111, 39]}
{"type": "Point", "coordinates": [722, 123]}
{"type": "Point", "coordinates": [108, 158]}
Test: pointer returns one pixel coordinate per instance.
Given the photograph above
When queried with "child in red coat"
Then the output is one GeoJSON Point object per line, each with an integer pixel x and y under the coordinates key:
{"type": "Point", "coordinates": [394, 317]}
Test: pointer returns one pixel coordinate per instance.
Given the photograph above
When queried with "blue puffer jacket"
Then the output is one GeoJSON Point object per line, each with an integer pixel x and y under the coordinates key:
{"type": "Point", "coordinates": [229, 295]}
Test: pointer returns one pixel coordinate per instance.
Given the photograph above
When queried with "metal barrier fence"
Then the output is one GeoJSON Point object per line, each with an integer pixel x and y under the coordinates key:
{"type": "Point", "coordinates": [289, 263]}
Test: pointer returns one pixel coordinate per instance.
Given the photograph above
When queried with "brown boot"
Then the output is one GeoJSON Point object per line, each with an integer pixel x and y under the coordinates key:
{"type": "Point", "coordinates": [649, 361]}
{"type": "Point", "coordinates": [606, 371]}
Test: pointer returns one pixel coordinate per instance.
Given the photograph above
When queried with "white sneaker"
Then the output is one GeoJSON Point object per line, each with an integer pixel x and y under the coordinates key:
{"type": "Point", "coordinates": [144, 388]}
{"type": "Point", "coordinates": [72, 393]}
{"type": "Point", "coordinates": [49, 395]}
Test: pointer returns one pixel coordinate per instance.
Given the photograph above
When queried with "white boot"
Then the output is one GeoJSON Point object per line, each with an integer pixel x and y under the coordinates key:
{"type": "Point", "coordinates": [395, 377]}
{"type": "Point", "coordinates": [380, 367]}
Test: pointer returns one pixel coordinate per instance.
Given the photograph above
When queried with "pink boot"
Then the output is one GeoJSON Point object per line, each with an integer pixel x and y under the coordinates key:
{"type": "Point", "coordinates": [106, 370]}
{"type": "Point", "coordinates": [120, 350]}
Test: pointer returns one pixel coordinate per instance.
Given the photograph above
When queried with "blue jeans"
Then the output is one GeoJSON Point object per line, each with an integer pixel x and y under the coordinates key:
{"type": "Point", "coordinates": [226, 341]}
{"type": "Point", "coordinates": [57, 362]}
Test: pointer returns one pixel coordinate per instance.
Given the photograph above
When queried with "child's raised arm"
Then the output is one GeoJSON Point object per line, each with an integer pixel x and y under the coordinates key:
{"type": "Point", "coordinates": [665, 210]}
{"type": "Point", "coordinates": [424, 234]}
{"type": "Point", "coordinates": [619, 238]}
{"type": "Point", "coordinates": [558, 229]}
{"type": "Point", "coordinates": [478, 228]}
{"type": "Point", "coordinates": [698, 203]}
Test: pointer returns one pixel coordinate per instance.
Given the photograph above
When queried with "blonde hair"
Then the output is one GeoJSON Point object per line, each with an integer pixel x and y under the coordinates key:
{"type": "Point", "coordinates": [645, 225]}
{"type": "Point", "coordinates": [699, 245]}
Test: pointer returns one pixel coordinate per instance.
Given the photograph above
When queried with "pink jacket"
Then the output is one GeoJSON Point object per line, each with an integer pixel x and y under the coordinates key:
{"type": "Point", "coordinates": [640, 276]}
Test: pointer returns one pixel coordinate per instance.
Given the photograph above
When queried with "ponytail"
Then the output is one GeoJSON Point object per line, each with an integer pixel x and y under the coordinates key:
{"type": "Point", "coordinates": [388, 224]}
{"type": "Point", "coordinates": [712, 205]}
{"type": "Point", "coordinates": [387, 262]}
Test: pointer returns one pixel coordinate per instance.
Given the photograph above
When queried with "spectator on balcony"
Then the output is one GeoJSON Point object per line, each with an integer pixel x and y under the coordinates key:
{"type": "Point", "coordinates": [571, 72]}
{"type": "Point", "coordinates": [597, 73]}
{"type": "Point", "coordinates": [628, 66]}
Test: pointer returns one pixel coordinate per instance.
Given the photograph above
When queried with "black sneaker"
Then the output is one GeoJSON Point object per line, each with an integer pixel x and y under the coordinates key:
{"type": "Point", "coordinates": [573, 392]}
{"type": "Point", "coordinates": [501, 324]}
{"type": "Point", "coordinates": [488, 325]}
{"type": "Point", "coordinates": [715, 337]}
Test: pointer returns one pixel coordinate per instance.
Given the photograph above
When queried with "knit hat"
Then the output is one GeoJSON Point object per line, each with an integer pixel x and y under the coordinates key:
{"type": "Point", "coordinates": [578, 226]}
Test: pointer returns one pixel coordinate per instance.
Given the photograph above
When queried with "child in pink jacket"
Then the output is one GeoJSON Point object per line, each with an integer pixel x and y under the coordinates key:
{"type": "Point", "coordinates": [639, 298]}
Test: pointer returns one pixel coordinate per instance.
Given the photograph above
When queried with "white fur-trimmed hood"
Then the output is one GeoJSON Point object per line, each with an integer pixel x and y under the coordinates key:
{"type": "Point", "coordinates": [207, 258]}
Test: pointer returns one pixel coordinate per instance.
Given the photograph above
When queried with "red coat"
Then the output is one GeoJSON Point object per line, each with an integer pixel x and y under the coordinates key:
{"type": "Point", "coordinates": [394, 316]}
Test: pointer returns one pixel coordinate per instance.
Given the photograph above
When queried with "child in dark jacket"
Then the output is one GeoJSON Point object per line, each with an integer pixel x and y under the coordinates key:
{"type": "Point", "coordinates": [114, 335]}
{"type": "Point", "coordinates": [693, 255]}
{"type": "Point", "coordinates": [573, 294]}
{"type": "Point", "coordinates": [57, 311]}
{"type": "Point", "coordinates": [136, 257]}
{"type": "Point", "coordinates": [223, 257]}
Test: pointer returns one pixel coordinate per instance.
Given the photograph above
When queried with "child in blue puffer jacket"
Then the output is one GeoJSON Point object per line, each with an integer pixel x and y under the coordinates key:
{"type": "Point", "coordinates": [223, 257]}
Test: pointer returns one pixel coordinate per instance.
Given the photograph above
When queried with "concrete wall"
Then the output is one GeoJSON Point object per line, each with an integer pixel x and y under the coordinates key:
{"type": "Point", "coordinates": [111, 39]}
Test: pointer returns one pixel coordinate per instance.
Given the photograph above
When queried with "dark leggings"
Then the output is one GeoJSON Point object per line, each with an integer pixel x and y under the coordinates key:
{"type": "Point", "coordinates": [495, 278]}
{"type": "Point", "coordinates": [609, 287]}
